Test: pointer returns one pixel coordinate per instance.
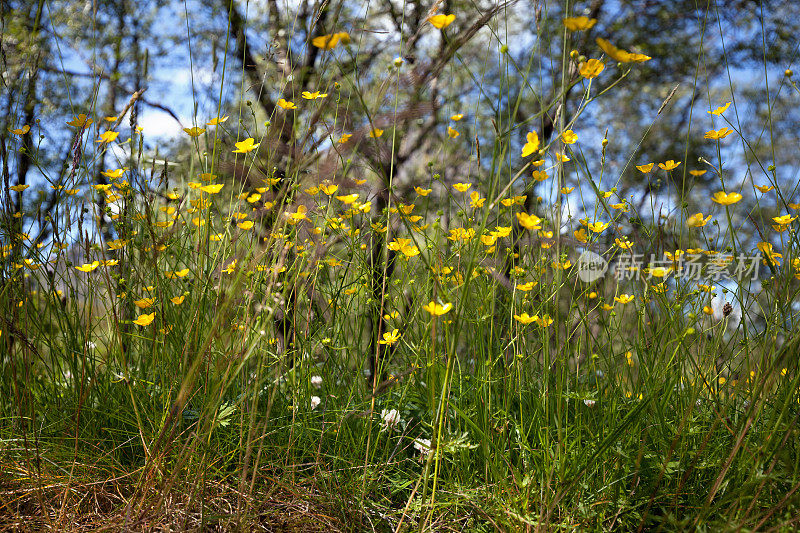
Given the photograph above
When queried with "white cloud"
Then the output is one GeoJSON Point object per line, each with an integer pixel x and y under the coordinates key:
{"type": "Point", "coordinates": [156, 123]}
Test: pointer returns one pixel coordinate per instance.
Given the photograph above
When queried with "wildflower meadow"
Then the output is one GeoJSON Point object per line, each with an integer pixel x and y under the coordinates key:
{"type": "Point", "coordinates": [399, 266]}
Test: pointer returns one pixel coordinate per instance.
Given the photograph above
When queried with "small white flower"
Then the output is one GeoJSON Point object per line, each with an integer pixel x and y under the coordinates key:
{"type": "Point", "coordinates": [390, 419]}
{"type": "Point", "coordinates": [589, 403]}
{"type": "Point", "coordinates": [315, 401]}
{"type": "Point", "coordinates": [91, 345]}
{"type": "Point", "coordinates": [316, 381]}
{"type": "Point", "coordinates": [423, 446]}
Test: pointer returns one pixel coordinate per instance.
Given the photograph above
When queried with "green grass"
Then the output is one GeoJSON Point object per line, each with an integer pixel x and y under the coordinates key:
{"type": "Point", "coordinates": [645, 414]}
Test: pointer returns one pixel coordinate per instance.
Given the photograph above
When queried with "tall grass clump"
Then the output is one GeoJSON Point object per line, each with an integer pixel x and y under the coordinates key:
{"type": "Point", "coordinates": [358, 298]}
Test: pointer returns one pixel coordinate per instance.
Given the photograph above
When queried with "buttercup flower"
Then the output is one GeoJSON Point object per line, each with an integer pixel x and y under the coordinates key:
{"type": "Point", "coordinates": [591, 68]}
{"type": "Point", "coordinates": [145, 320]}
{"type": "Point", "coordinates": [247, 145]}
{"type": "Point", "coordinates": [620, 55]}
{"type": "Point", "coordinates": [724, 198]}
{"type": "Point", "coordinates": [531, 144]}
{"type": "Point", "coordinates": [697, 220]}
{"type": "Point", "coordinates": [441, 21]}
{"type": "Point", "coordinates": [579, 23]}
{"type": "Point", "coordinates": [390, 337]}
{"type": "Point", "coordinates": [436, 309]}
{"type": "Point", "coordinates": [330, 41]}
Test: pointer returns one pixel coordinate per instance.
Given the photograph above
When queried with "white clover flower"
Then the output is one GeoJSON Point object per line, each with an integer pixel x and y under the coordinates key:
{"type": "Point", "coordinates": [589, 403]}
{"type": "Point", "coordinates": [315, 401]}
{"type": "Point", "coordinates": [316, 381]}
{"type": "Point", "coordinates": [390, 419]}
{"type": "Point", "coordinates": [423, 446]}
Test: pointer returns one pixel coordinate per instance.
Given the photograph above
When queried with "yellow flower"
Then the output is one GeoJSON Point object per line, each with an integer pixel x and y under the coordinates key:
{"type": "Point", "coordinates": [19, 188]}
{"type": "Point", "coordinates": [645, 168]}
{"type": "Point", "coordinates": [567, 190]}
{"type": "Point", "coordinates": [569, 137]}
{"type": "Point", "coordinates": [475, 200]}
{"type": "Point", "coordinates": [581, 235]}
{"type": "Point", "coordinates": [697, 173]}
{"type": "Point", "coordinates": [328, 188]}
{"type": "Point", "coordinates": [348, 199]}
{"type": "Point", "coordinates": [299, 215]}
{"type": "Point", "coordinates": [597, 227]}
{"type": "Point", "coordinates": [456, 117]}
{"type": "Point", "coordinates": [285, 104]}
{"type": "Point", "coordinates": [720, 110]}
{"type": "Point", "coordinates": [144, 320]}
{"type": "Point", "coordinates": [452, 132]}
{"type": "Point", "coordinates": [624, 298]}
{"type": "Point", "coordinates": [247, 145]}
{"type": "Point", "coordinates": [529, 222]}
{"type": "Point", "coordinates": [344, 138]}
{"type": "Point", "coordinates": [212, 189]}
{"type": "Point", "coordinates": [20, 131]}
{"type": "Point", "coordinates": [88, 267]}
{"type": "Point", "coordinates": [562, 266]}
{"type": "Point", "coordinates": [462, 187]}
{"type": "Point", "coordinates": [669, 165]}
{"type": "Point", "coordinates": [659, 272]}
{"type": "Point", "coordinates": [531, 144]}
{"type": "Point", "coordinates": [246, 225]}
{"type": "Point", "coordinates": [773, 257]}
{"type": "Point", "coordinates": [539, 175]}
{"type": "Point", "coordinates": [441, 21]}
{"type": "Point", "coordinates": [178, 300]}
{"type": "Point", "coordinates": [144, 303]}
{"type": "Point", "coordinates": [783, 220]}
{"type": "Point", "coordinates": [107, 136]}
{"type": "Point", "coordinates": [764, 188]}
{"type": "Point", "coordinates": [437, 310]}
{"type": "Point", "coordinates": [724, 198]}
{"type": "Point", "coordinates": [375, 133]}
{"type": "Point", "coordinates": [313, 96]}
{"type": "Point", "coordinates": [525, 287]}
{"type": "Point", "coordinates": [625, 244]}
{"type": "Point", "coordinates": [422, 192]}
{"type": "Point", "coordinates": [114, 174]}
{"type": "Point", "coordinates": [544, 321]}
{"type": "Point", "coordinates": [591, 68]}
{"type": "Point", "coordinates": [718, 134]}
{"type": "Point", "coordinates": [502, 231]}
{"type": "Point", "coordinates": [195, 131]}
{"type": "Point", "coordinates": [697, 220]}
{"type": "Point", "coordinates": [230, 268]}
{"type": "Point", "coordinates": [81, 121]}
{"type": "Point", "coordinates": [390, 338]}
{"type": "Point", "coordinates": [524, 318]}
{"type": "Point", "coordinates": [330, 41]}
{"type": "Point", "coordinates": [216, 121]}
{"type": "Point", "coordinates": [579, 23]}
{"type": "Point", "coordinates": [620, 55]}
